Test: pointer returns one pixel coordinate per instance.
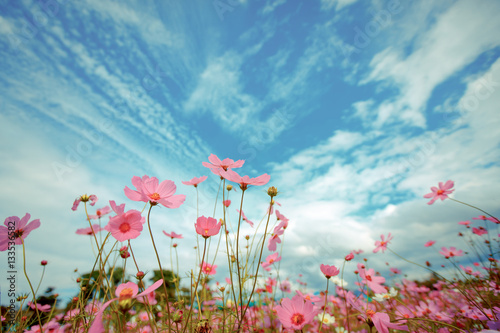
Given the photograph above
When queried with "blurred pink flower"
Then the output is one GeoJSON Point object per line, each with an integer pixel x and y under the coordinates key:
{"type": "Point", "coordinates": [17, 228]}
{"type": "Point", "coordinates": [92, 198]}
{"type": "Point", "coordinates": [329, 271]}
{"type": "Point", "coordinates": [88, 231]}
{"type": "Point", "coordinates": [274, 239]}
{"type": "Point", "coordinates": [227, 203]}
{"type": "Point", "coordinates": [245, 181]}
{"type": "Point", "coordinates": [479, 231]}
{"type": "Point", "coordinates": [486, 218]}
{"type": "Point", "coordinates": [245, 218]}
{"type": "Point", "coordinates": [125, 226]}
{"type": "Point", "coordinates": [441, 192]}
{"type": "Point", "coordinates": [42, 308]}
{"type": "Point", "coordinates": [124, 292]}
{"type": "Point", "coordinates": [382, 244]}
{"type": "Point", "coordinates": [172, 234]}
{"type": "Point", "coordinates": [349, 257]}
{"type": "Point", "coordinates": [150, 190]}
{"type": "Point", "coordinates": [207, 226]}
{"type": "Point", "coordinates": [429, 243]}
{"type": "Point", "coordinates": [272, 258]}
{"type": "Point", "coordinates": [100, 213]}
{"type": "Point", "coordinates": [195, 181]}
{"type": "Point", "coordinates": [208, 269]}
{"type": "Point", "coordinates": [294, 314]}
{"type": "Point", "coordinates": [452, 252]}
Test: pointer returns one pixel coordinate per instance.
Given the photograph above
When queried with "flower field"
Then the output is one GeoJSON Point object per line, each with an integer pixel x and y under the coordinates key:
{"type": "Point", "coordinates": [253, 297]}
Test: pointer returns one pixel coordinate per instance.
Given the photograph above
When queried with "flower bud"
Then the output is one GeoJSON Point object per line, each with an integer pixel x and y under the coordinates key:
{"type": "Point", "coordinates": [229, 187]}
{"type": "Point", "coordinates": [140, 275]}
{"type": "Point", "coordinates": [44, 263]}
{"type": "Point", "coordinates": [272, 191]}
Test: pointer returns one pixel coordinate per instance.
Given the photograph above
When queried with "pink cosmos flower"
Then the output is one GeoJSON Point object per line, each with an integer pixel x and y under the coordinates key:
{"type": "Point", "coordinates": [441, 192]}
{"type": "Point", "coordinates": [282, 218]}
{"type": "Point", "coordinates": [484, 218]}
{"type": "Point", "coordinates": [245, 181]}
{"type": "Point", "coordinates": [373, 281]}
{"type": "Point", "coordinates": [466, 223]}
{"type": "Point", "coordinates": [150, 190]}
{"type": "Point", "coordinates": [117, 209]}
{"type": "Point", "coordinates": [294, 314]}
{"type": "Point", "coordinates": [18, 228]}
{"type": "Point", "coordinates": [274, 239]}
{"type": "Point", "coordinates": [216, 165]}
{"type": "Point", "coordinates": [329, 271]}
{"type": "Point", "coordinates": [207, 226]}
{"type": "Point", "coordinates": [382, 244]}
{"type": "Point", "coordinates": [42, 308]}
{"type": "Point", "coordinates": [271, 259]}
{"type": "Point", "coordinates": [429, 243]}
{"type": "Point", "coordinates": [125, 226]}
{"type": "Point", "coordinates": [172, 234]}
{"type": "Point", "coordinates": [195, 181]}
{"type": "Point", "coordinates": [479, 231]}
{"type": "Point", "coordinates": [208, 269]}
{"type": "Point", "coordinates": [452, 252]}
{"type": "Point", "coordinates": [93, 199]}
{"type": "Point", "coordinates": [349, 257]}
{"type": "Point", "coordinates": [100, 213]}
{"type": "Point", "coordinates": [88, 231]}
{"type": "Point", "coordinates": [395, 270]}
{"type": "Point", "coordinates": [245, 218]}
{"type": "Point", "coordinates": [125, 292]}
{"type": "Point", "coordinates": [226, 203]}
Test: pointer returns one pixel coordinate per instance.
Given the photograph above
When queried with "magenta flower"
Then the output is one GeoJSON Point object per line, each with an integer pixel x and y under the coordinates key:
{"type": "Point", "coordinates": [226, 203]}
{"type": "Point", "coordinates": [245, 181]}
{"type": "Point", "coordinates": [88, 231]}
{"type": "Point", "coordinates": [429, 243]}
{"type": "Point", "coordinates": [441, 192]}
{"type": "Point", "coordinates": [172, 235]}
{"type": "Point", "coordinates": [216, 165]}
{"type": "Point", "coordinates": [208, 269]}
{"type": "Point", "coordinates": [16, 230]}
{"type": "Point", "coordinates": [382, 244]}
{"type": "Point", "coordinates": [125, 226]}
{"type": "Point", "coordinates": [125, 293]}
{"type": "Point", "coordinates": [479, 231]}
{"type": "Point", "coordinates": [452, 252]}
{"type": "Point", "coordinates": [349, 257]}
{"type": "Point", "coordinates": [294, 314]}
{"type": "Point", "coordinates": [42, 308]}
{"type": "Point", "coordinates": [195, 181]}
{"type": "Point", "coordinates": [150, 190]}
{"type": "Point", "coordinates": [329, 271]}
{"type": "Point", "coordinates": [207, 226]}
{"type": "Point", "coordinates": [373, 281]}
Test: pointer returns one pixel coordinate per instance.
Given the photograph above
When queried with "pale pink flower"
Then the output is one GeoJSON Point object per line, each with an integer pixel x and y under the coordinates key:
{"type": "Point", "coordinates": [271, 259]}
{"type": "Point", "coordinates": [42, 308]}
{"type": "Point", "coordinates": [373, 281]}
{"type": "Point", "coordinates": [88, 231]}
{"type": "Point", "coordinates": [395, 270]}
{"type": "Point", "coordinates": [195, 181]}
{"type": "Point", "coordinates": [466, 223]}
{"type": "Point", "coordinates": [207, 226]}
{"type": "Point", "coordinates": [452, 252]}
{"type": "Point", "coordinates": [226, 203]}
{"type": "Point", "coordinates": [17, 228]}
{"type": "Point", "coordinates": [245, 218]}
{"type": "Point", "coordinates": [429, 243]}
{"type": "Point", "coordinates": [172, 234]}
{"type": "Point", "coordinates": [124, 292]}
{"type": "Point", "coordinates": [274, 239]}
{"type": "Point", "coordinates": [150, 190]}
{"type": "Point", "coordinates": [282, 218]}
{"type": "Point", "coordinates": [125, 226]}
{"type": "Point", "coordinates": [100, 213]}
{"type": "Point", "coordinates": [441, 192]}
{"type": "Point", "coordinates": [117, 209]}
{"type": "Point", "coordinates": [92, 198]}
{"type": "Point", "coordinates": [245, 181]}
{"type": "Point", "coordinates": [382, 244]}
{"type": "Point", "coordinates": [329, 271]}
{"type": "Point", "coordinates": [349, 257]}
{"type": "Point", "coordinates": [294, 314]}
{"type": "Point", "coordinates": [216, 165]}
{"type": "Point", "coordinates": [208, 269]}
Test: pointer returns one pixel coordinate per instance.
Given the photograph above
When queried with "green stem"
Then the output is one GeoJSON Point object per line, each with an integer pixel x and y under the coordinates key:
{"type": "Point", "coordinates": [463, 203]}
{"type": "Point", "coordinates": [324, 309]}
{"type": "Point", "coordinates": [31, 287]}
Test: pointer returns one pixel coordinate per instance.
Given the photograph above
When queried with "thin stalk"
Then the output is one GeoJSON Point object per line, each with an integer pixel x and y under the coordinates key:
{"type": "Point", "coordinates": [31, 287]}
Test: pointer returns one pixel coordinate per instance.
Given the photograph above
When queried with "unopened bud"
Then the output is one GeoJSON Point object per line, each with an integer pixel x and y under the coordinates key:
{"type": "Point", "coordinates": [84, 198]}
{"type": "Point", "coordinates": [140, 275]}
{"type": "Point", "coordinates": [229, 187]}
{"type": "Point", "coordinates": [272, 191]}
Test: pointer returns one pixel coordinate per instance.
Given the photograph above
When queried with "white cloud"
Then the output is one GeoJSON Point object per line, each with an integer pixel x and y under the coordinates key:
{"type": "Point", "coordinates": [338, 4]}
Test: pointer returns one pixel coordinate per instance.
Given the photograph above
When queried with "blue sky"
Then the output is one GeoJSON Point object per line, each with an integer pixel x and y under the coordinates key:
{"type": "Point", "coordinates": [355, 108]}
